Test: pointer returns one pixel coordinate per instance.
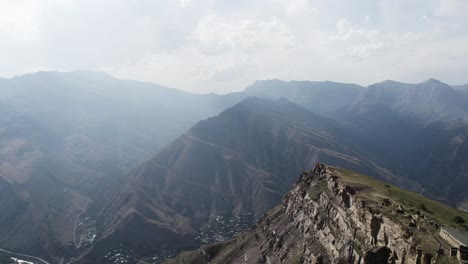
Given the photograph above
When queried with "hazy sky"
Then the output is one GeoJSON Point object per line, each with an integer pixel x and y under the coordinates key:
{"type": "Point", "coordinates": [220, 46]}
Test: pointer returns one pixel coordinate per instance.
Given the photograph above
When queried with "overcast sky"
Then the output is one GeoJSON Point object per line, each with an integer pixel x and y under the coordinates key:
{"type": "Point", "coordinates": [221, 46]}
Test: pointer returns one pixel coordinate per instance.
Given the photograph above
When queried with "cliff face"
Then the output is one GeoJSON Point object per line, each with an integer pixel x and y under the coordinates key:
{"type": "Point", "coordinates": [346, 226]}
{"type": "Point", "coordinates": [331, 216]}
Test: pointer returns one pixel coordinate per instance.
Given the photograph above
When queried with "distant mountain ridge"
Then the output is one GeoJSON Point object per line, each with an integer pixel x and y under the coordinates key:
{"type": "Point", "coordinates": [431, 100]}
{"type": "Point", "coordinates": [320, 97]}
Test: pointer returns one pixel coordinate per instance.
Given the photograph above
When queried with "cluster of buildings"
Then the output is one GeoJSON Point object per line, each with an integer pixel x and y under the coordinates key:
{"type": "Point", "coordinates": [224, 227]}
{"type": "Point", "coordinates": [123, 255]}
{"type": "Point", "coordinates": [118, 256]}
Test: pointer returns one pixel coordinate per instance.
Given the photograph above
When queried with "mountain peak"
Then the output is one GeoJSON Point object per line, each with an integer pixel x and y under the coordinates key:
{"type": "Point", "coordinates": [432, 80]}
{"type": "Point", "coordinates": [434, 83]}
{"type": "Point", "coordinates": [389, 83]}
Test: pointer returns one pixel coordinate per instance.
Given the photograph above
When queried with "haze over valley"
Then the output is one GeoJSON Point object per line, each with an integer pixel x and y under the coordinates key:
{"type": "Point", "coordinates": [90, 162]}
{"type": "Point", "coordinates": [203, 131]}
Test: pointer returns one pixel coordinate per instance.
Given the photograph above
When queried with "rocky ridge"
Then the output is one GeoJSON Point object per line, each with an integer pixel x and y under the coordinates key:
{"type": "Point", "coordinates": [329, 216]}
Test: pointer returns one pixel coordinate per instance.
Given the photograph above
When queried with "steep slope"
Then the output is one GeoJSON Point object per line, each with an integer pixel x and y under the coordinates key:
{"type": "Point", "coordinates": [11, 206]}
{"type": "Point", "coordinates": [444, 165]}
{"type": "Point", "coordinates": [241, 161]}
{"type": "Point", "coordinates": [428, 101]}
{"type": "Point", "coordinates": [419, 131]}
{"type": "Point", "coordinates": [320, 97]}
{"type": "Point", "coordinates": [424, 124]}
{"type": "Point", "coordinates": [336, 216]}
{"type": "Point", "coordinates": [26, 187]}
{"type": "Point", "coordinates": [66, 139]}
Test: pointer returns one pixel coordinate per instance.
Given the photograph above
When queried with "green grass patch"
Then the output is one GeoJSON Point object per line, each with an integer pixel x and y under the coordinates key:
{"type": "Point", "coordinates": [296, 259]}
{"type": "Point", "coordinates": [373, 191]}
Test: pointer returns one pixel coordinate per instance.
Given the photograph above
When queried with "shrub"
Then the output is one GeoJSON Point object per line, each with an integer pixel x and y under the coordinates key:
{"type": "Point", "coordinates": [423, 207]}
{"type": "Point", "coordinates": [458, 219]}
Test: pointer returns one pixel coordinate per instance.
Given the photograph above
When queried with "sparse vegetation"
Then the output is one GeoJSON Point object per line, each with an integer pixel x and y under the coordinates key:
{"type": "Point", "coordinates": [315, 192]}
{"type": "Point", "coordinates": [373, 190]}
{"type": "Point", "coordinates": [358, 248]}
{"type": "Point", "coordinates": [296, 259]}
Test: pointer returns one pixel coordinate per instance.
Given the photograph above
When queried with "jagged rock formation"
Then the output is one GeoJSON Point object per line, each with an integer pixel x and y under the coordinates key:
{"type": "Point", "coordinates": [335, 216]}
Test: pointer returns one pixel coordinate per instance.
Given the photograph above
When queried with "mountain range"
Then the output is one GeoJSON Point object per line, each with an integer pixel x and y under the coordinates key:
{"type": "Point", "coordinates": [73, 150]}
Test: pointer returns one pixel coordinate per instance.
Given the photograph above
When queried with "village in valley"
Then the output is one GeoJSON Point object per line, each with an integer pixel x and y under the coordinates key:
{"type": "Point", "coordinates": [225, 226]}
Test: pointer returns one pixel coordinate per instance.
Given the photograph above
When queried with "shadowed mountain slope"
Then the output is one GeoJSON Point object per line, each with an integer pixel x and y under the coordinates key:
{"type": "Point", "coordinates": [242, 160]}
{"type": "Point", "coordinates": [428, 101]}
{"type": "Point", "coordinates": [66, 138]}
{"type": "Point", "coordinates": [418, 130]}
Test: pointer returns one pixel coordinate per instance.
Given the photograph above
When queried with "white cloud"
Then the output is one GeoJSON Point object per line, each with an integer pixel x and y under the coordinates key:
{"type": "Point", "coordinates": [197, 72]}
{"type": "Point", "coordinates": [344, 29]}
{"type": "Point", "coordinates": [452, 7]}
{"type": "Point", "coordinates": [300, 7]}
{"type": "Point", "coordinates": [18, 19]}
{"type": "Point", "coordinates": [184, 3]}
{"type": "Point", "coordinates": [366, 50]}
{"type": "Point", "coordinates": [220, 34]}
{"type": "Point", "coordinates": [222, 45]}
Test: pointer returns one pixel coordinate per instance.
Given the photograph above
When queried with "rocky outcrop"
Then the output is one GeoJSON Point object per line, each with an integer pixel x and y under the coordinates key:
{"type": "Point", "coordinates": [325, 220]}
{"type": "Point", "coordinates": [347, 228]}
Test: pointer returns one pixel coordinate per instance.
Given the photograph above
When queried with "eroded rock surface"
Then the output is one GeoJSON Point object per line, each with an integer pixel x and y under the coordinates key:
{"type": "Point", "coordinates": [325, 220]}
